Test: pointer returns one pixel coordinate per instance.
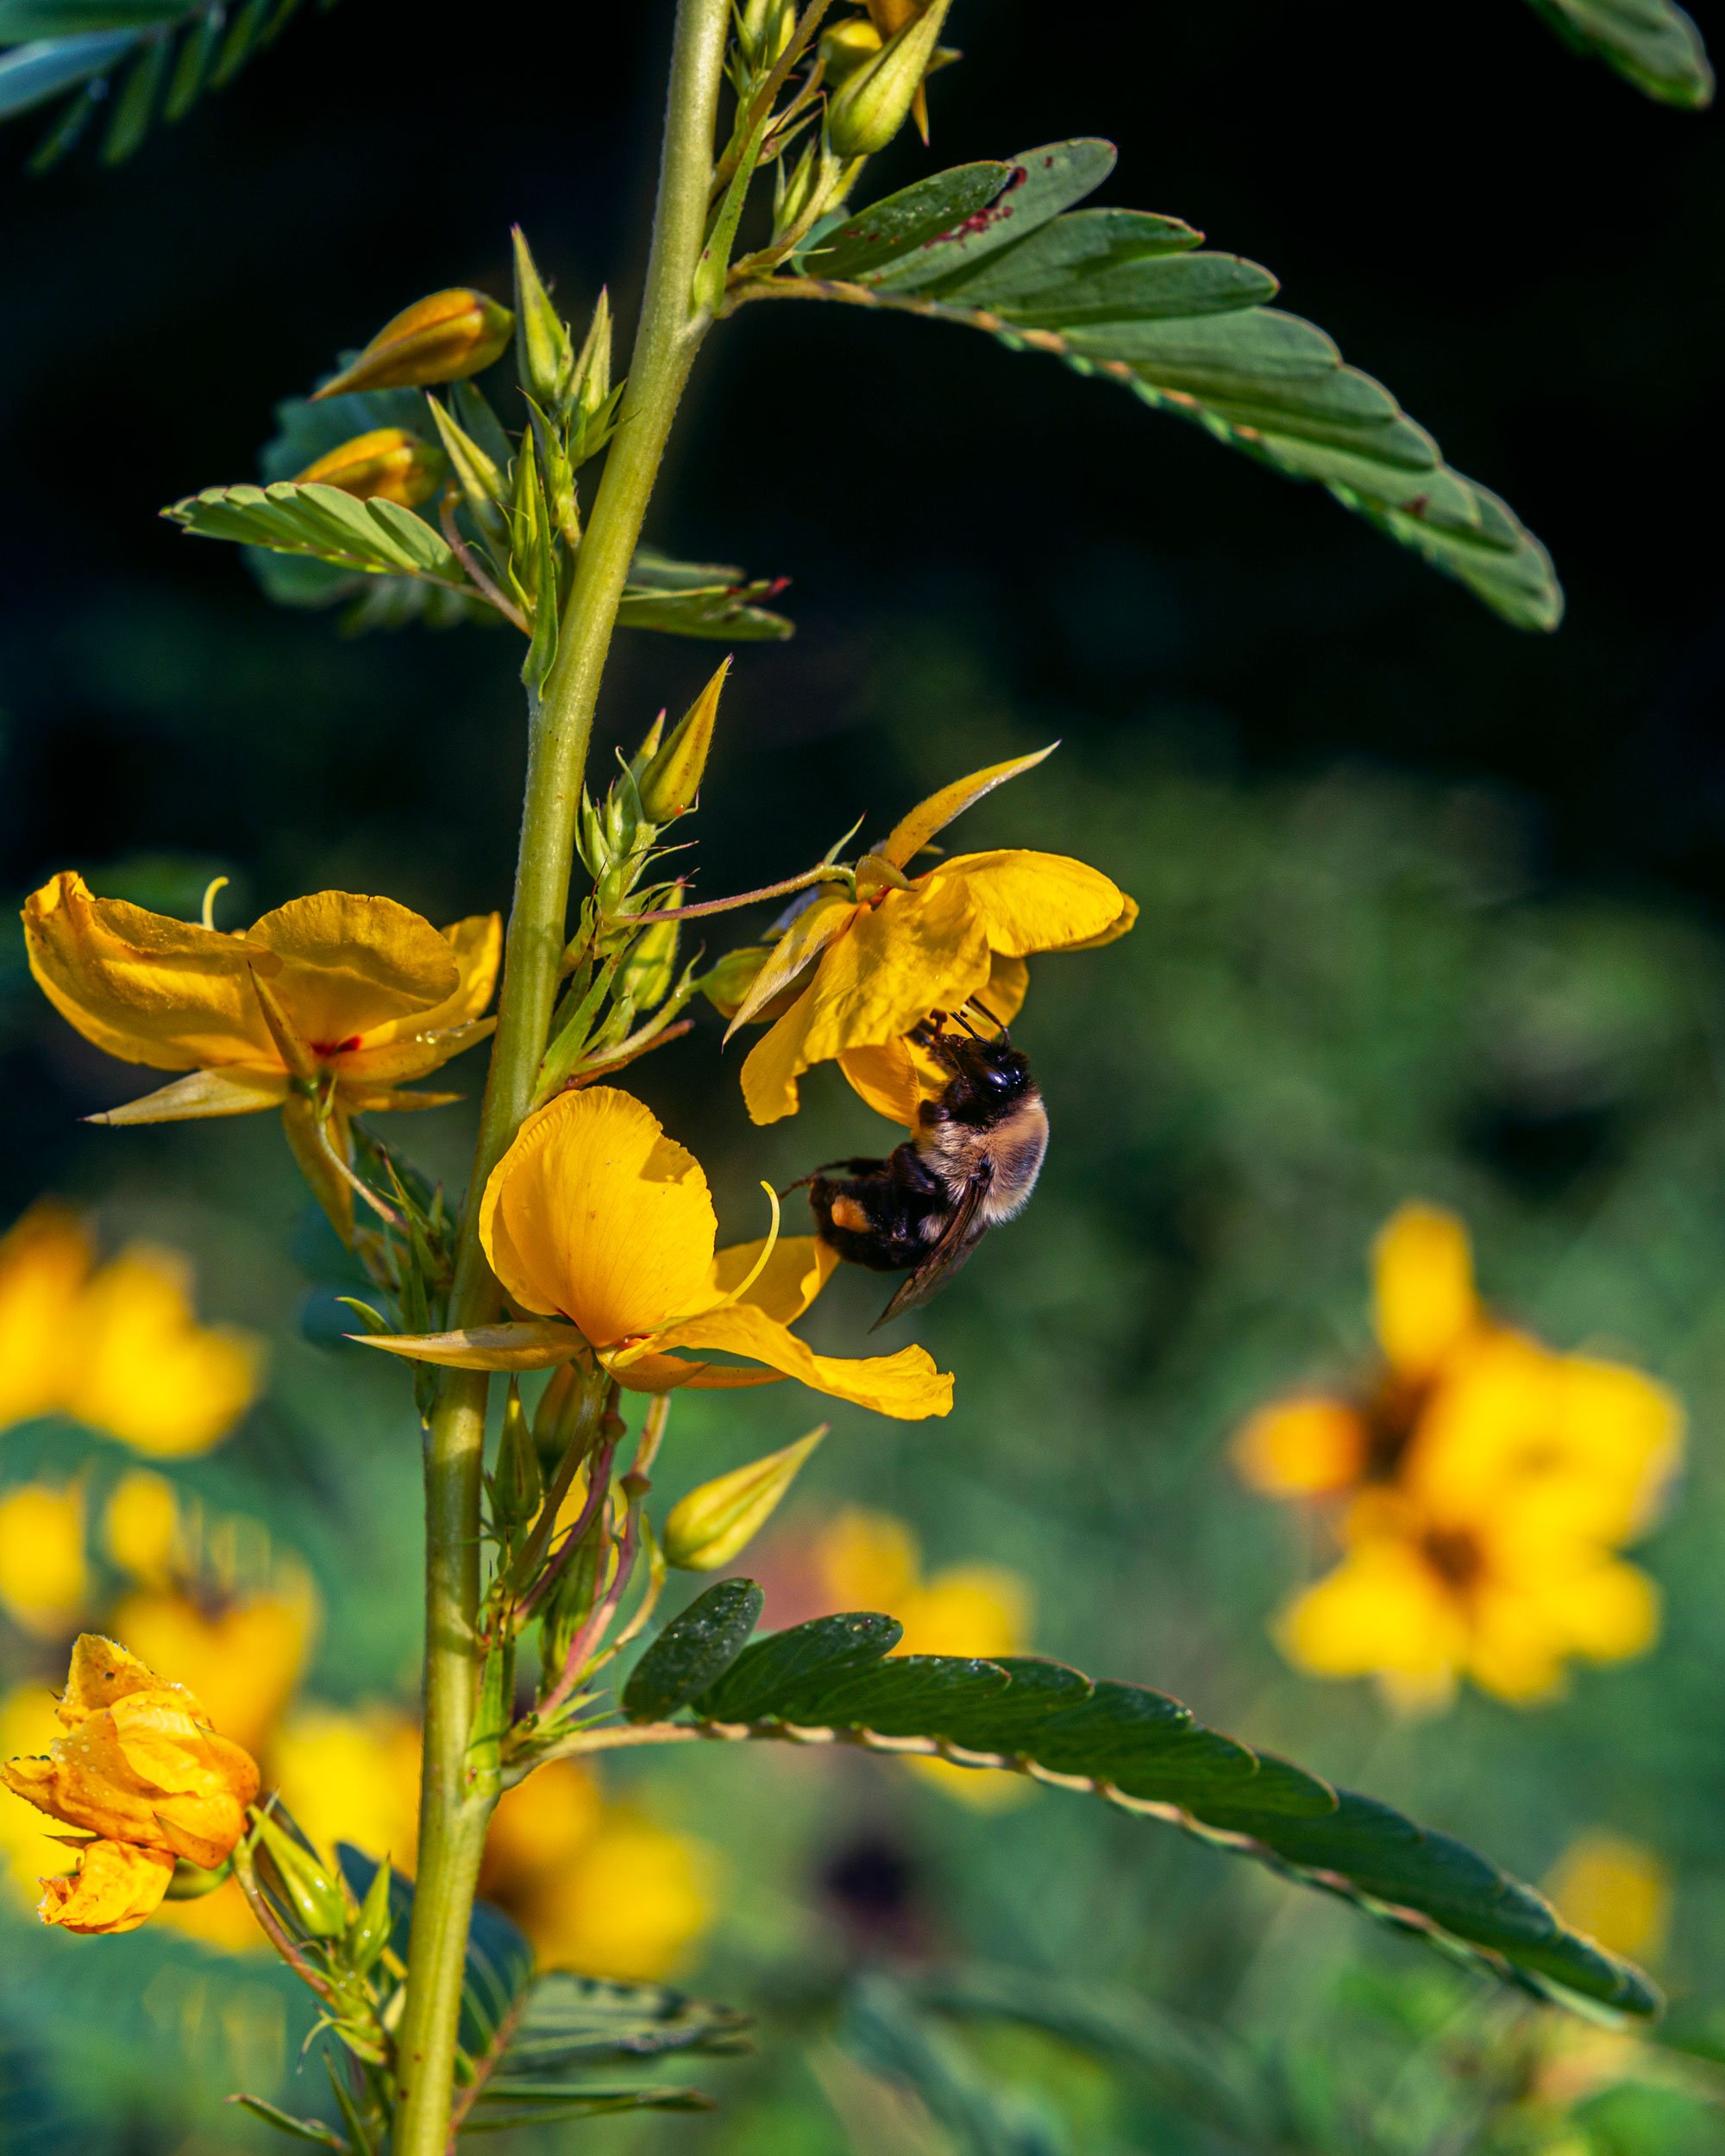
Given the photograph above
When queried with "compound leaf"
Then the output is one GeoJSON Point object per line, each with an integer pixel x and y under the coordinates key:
{"type": "Point", "coordinates": [1148, 1754]}
{"type": "Point", "coordinates": [1133, 297]}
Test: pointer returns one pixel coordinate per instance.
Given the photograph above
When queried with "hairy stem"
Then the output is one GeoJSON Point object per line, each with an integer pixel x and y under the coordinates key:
{"type": "Point", "coordinates": [457, 1793]}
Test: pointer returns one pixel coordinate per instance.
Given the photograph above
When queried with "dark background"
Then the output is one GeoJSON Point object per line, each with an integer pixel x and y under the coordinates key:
{"type": "Point", "coordinates": [1510, 237]}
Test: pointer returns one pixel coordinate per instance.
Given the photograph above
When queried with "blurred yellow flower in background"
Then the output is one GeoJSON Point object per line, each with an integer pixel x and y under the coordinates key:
{"type": "Point", "coordinates": [596, 1887]}
{"type": "Point", "coordinates": [870, 967]}
{"type": "Point", "coordinates": [43, 1576]}
{"type": "Point", "coordinates": [871, 1560]}
{"type": "Point", "coordinates": [117, 1346]}
{"type": "Point", "coordinates": [595, 1219]}
{"type": "Point", "coordinates": [143, 1771]}
{"type": "Point", "coordinates": [1486, 1485]}
{"type": "Point", "coordinates": [1617, 1890]}
{"type": "Point", "coordinates": [357, 991]}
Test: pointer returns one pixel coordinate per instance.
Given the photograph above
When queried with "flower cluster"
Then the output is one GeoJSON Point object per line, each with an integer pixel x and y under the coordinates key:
{"type": "Point", "coordinates": [1481, 1485]}
{"type": "Point", "coordinates": [141, 1772]}
{"type": "Point", "coordinates": [116, 1346]}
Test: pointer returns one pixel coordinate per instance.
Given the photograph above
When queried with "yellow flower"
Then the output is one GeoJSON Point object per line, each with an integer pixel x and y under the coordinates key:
{"type": "Point", "coordinates": [117, 1347]}
{"type": "Point", "coordinates": [877, 965]}
{"type": "Point", "coordinates": [869, 1560]}
{"type": "Point", "coordinates": [356, 992]}
{"type": "Point", "coordinates": [1494, 1587]}
{"type": "Point", "coordinates": [1617, 1890]}
{"type": "Point", "coordinates": [43, 1575]}
{"type": "Point", "coordinates": [597, 1222]}
{"type": "Point", "coordinates": [140, 1528]}
{"type": "Point", "coordinates": [1426, 1315]}
{"type": "Point", "coordinates": [351, 1776]}
{"type": "Point", "coordinates": [243, 1657]}
{"type": "Point", "coordinates": [142, 1771]}
{"type": "Point", "coordinates": [28, 1723]}
{"type": "Point", "coordinates": [596, 1887]}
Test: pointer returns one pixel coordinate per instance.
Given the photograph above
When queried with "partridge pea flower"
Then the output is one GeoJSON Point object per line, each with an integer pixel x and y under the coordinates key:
{"type": "Point", "coordinates": [604, 1229]}
{"type": "Point", "coordinates": [873, 963]}
{"type": "Point", "coordinates": [142, 1771]}
{"type": "Point", "coordinates": [356, 995]}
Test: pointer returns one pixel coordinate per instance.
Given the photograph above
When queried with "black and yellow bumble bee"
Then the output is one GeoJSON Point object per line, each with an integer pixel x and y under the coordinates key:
{"type": "Point", "coordinates": [972, 1163]}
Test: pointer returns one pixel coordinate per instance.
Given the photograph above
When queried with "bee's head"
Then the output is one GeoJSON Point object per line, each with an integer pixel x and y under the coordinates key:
{"type": "Point", "coordinates": [989, 1075]}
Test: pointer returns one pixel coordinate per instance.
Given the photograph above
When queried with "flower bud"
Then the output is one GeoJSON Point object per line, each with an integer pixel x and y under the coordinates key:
{"type": "Point", "coordinates": [544, 353]}
{"type": "Point", "coordinates": [727, 985]}
{"type": "Point", "coordinates": [671, 782]}
{"type": "Point", "coordinates": [844, 48]}
{"type": "Point", "coordinates": [572, 1599]}
{"type": "Point", "coordinates": [477, 475]}
{"type": "Point", "coordinates": [715, 1523]}
{"type": "Point", "coordinates": [875, 99]}
{"type": "Point", "coordinates": [388, 465]}
{"type": "Point", "coordinates": [517, 1485]}
{"type": "Point", "coordinates": [443, 338]}
{"type": "Point", "coordinates": [648, 748]}
{"type": "Point", "coordinates": [316, 1899]}
{"type": "Point", "coordinates": [568, 1414]}
{"type": "Point", "coordinates": [648, 973]}
{"type": "Point", "coordinates": [373, 1924]}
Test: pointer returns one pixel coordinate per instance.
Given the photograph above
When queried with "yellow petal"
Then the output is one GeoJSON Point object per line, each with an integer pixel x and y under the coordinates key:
{"type": "Point", "coordinates": [352, 1777]}
{"type": "Point", "coordinates": [629, 1906]}
{"type": "Point", "coordinates": [350, 964]}
{"type": "Point", "coordinates": [655, 1373]}
{"type": "Point", "coordinates": [143, 986]}
{"type": "Point", "coordinates": [44, 1260]}
{"type": "Point", "coordinates": [477, 944]}
{"type": "Point", "coordinates": [595, 1215]}
{"type": "Point", "coordinates": [102, 1671]}
{"type": "Point", "coordinates": [1123, 924]}
{"type": "Point", "coordinates": [1623, 1433]}
{"type": "Point", "coordinates": [1383, 1611]}
{"type": "Point", "coordinates": [1422, 1288]}
{"type": "Point", "coordinates": [827, 916]}
{"type": "Point", "coordinates": [907, 1385]}
{"type": "Point", "coordinates": [1030, 902]}
{"type": "Point", "coordinates": [892, 1077]}
{"type": "Point", "coordinates": [868, 1560]}
{"type": "Point", "coordinates": [244, 1660]}
{"type": "Point", "coordinates": [43, 1576]}
{"type": "Point", "coordinates": [146, 1372]}
{"type": "Point", "coordinates": [413, 1054]}
{"type": "Point", "coordinates": [798, 1267]}
{"type": "Point", "coordinates": [911, 952]}
{"type": "Point", "coordinates": [911, 833]}
{"type": "Point", "coordinates": [201, 1095]}
{"type": "Point", "coordinates": [1302, 1448]}
{"type": "Point", "coordinates": [141, 1528]}
{"type": "Point", "coordinates": [116, 1887]}
{"type": "Point", "coordinates": [969, 1609]}
{"type": "Point", "coordinates": [483, 1347]}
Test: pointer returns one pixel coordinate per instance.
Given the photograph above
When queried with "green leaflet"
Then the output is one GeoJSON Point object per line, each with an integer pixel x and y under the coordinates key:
{"type": "Point", "coordinates": [1146, 1751]}
{"type": "Point", "coordinates": [701, 598]}
{"type": "Point", "coordinates": [1130, 296]}
{"type": "Point", "coordinates": [375, 537]}
{"type": "Point", "coordinates": [693, 1649]}
{"type": "Point", "coordinates": [1651, 43]}
{"type": "Point", "coordinates": [34, 73]}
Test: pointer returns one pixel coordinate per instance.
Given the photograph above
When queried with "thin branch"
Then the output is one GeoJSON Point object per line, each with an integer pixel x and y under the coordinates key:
{"type": "Point", "coordinates": [469, 561]}
{"type": "Point", "coordinates": [828, 872]}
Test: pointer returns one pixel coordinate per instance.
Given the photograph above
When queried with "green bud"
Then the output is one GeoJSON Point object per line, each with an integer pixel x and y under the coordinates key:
{"type": "Point", "coordinates": [764, 29]}
{"type": "Point", "coordinates": [648, 973]}
{"type": "Point", "coordinates": [483, 486]}
{"type": "Point", "coordinates": [443, 338]}
{"type": "Point", "coordinates": [558, 475]}
{"type": "Point", "coordinates": [191, 1882]}
{"type": "Point", "coordinates": [568, 1414]}
{"type": "Point", "coordinates": [715, 1523]}
{"type": "Point", "coordinates": [726, 984]}
{"type": "Point", "coordinates": [875, 99]}
{"type": "Point", "coordinates": [518, 1484]}
{"type": "Point", "coordinates": [544, 353]}
{"type": "Point", "coordinates": [571, 1601]}
{"type": "Point", "coordinates": [369, 1933]}
{"type": "Point", "coordinates": [844, 48]}
{"type": "Point", "coordinates": [592, 381]}
{"type": "Point", "coordinates": [390, 464]}
{"type": "Point", "coordinates": [671, 783]}
{"type": "Point", "coordinates": [648, 748]}
{"type": "Point", "coordinates": [318, 1900]}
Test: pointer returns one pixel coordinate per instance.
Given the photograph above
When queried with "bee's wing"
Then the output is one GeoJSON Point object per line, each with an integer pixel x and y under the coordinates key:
{"type": "Point", "coordinates": [957, 1239]}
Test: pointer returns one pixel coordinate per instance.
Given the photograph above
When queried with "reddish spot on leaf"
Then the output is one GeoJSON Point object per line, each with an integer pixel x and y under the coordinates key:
{"type": "Point", "coordinates": [983, 219]}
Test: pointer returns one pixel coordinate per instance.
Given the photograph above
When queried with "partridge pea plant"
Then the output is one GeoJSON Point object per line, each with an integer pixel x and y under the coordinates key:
{"type": "Point", "coordinates": [482, 460]}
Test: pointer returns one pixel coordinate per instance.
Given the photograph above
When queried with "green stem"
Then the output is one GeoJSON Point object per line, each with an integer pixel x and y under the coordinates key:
{"type": "Point", "coordinates": [457, 1795]}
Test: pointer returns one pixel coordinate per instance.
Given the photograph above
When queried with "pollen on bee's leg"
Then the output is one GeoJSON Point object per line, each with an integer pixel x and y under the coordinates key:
{"type": "Point", "coordinates": [845, 1213]}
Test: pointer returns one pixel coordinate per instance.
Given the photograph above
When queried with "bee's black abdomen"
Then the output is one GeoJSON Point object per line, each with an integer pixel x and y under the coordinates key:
{"type": "Point", "coordinates": [884, 1217]}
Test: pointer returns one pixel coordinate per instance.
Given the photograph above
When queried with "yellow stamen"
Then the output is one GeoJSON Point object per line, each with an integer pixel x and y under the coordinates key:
{"type": "Point", "coordinates": [215, 884]}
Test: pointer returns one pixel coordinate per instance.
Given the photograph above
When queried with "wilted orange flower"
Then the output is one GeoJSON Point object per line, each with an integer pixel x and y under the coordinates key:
{"type": "Point", "coordinates": [142, 1771]}
{"type": "Point", "coordinates": [116, 1346]}
{"type": "Point", "coordinates": [604, 1228]}
{"type": "Point", "coordinates": [357, 993]}
{"type": "Point", "coordinates": [872, 967]}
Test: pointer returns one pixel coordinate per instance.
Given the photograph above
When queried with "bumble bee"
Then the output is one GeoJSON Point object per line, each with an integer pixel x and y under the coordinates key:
{"type": "Point", "coordinates": [972, 1163]}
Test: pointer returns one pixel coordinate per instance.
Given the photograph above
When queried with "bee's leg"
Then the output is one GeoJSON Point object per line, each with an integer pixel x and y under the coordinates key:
{"type": "Point", "coordinates": [853, 1167]}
